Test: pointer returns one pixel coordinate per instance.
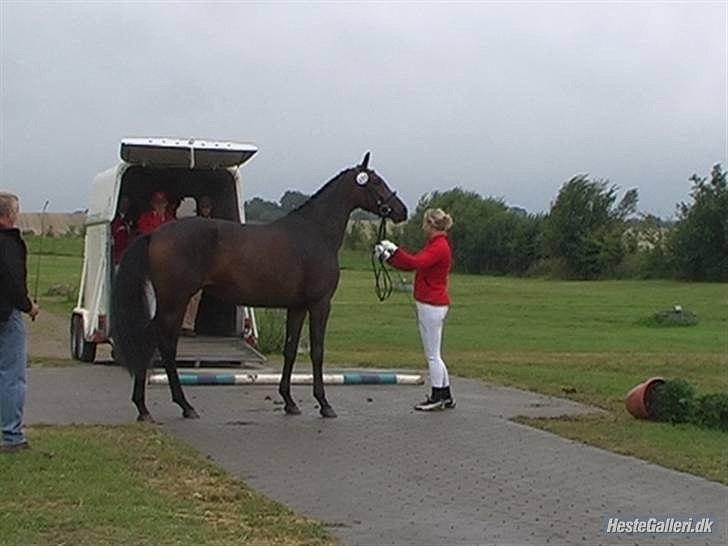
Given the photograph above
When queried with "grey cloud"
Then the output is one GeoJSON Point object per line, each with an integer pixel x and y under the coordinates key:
{"type": "Point", "coordinates": [506, 100]}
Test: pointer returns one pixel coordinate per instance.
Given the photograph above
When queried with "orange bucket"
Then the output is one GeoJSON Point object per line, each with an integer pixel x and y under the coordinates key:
{"type": "Point", "coordinates": [637, 400]}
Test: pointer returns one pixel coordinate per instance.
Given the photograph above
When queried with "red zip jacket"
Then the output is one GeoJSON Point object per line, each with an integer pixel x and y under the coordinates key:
{"type": "Point", "coordinates": [431, 265]}
{"type": "Point", "coordinates": [150, 220]}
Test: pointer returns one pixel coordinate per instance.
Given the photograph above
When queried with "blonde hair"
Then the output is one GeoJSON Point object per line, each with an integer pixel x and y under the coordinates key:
{"type": "Point", "coordinates": [8, 204]}
{"type": "Point", "coordinates": [438, 219]}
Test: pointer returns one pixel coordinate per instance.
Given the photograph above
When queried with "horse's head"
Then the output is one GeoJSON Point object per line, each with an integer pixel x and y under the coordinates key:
{"type": "Point", "coordinates": [374, 195]}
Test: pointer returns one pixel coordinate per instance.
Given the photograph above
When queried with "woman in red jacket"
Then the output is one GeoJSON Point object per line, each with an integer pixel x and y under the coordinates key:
{"type": "Point", "coordinates": [432, 266]}
{"type": "Point", "coordinates": [157, 215]}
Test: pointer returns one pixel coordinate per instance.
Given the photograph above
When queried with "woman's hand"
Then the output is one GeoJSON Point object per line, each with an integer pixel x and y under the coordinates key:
{"type": "Point", "coordinates": [381, 253]}
{"type": "Point", "coordinates": [388, 246]}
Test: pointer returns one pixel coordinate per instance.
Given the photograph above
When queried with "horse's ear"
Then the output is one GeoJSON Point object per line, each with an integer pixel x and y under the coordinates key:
{"type": "Point", "coordinates": [365, 161]}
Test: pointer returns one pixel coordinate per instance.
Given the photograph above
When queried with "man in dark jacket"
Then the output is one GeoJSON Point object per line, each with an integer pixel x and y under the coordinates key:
{"type": "Point", "coordinates": [13, 300]}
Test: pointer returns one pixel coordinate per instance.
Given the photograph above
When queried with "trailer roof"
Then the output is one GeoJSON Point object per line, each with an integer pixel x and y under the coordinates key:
{"type": "Point", "coordinates": [191, 153]}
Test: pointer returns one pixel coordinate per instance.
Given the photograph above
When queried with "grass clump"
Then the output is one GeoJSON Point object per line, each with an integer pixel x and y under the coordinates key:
{"type": "Point", "coordinates": [677, 316]}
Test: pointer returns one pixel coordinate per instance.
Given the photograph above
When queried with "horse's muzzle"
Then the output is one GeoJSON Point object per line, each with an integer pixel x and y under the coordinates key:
{"type": "Point", "coordinates": [398, 213]}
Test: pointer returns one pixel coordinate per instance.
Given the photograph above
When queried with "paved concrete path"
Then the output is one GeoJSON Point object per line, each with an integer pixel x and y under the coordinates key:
{"type": "Point", "coordinates": [384, 474]}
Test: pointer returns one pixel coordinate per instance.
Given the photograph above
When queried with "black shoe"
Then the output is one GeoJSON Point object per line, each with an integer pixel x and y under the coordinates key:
{"type": "Point", "coordinates": [448, 402]}
{"type": "Point", "coordinates": [13, 448]}
{"type": "Point", "coordinates": [439, 399]}
{"type": "Point", "coordinates": [430, 405]}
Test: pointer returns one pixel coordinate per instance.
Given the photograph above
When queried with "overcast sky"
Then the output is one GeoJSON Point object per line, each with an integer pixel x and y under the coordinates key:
{"type": "Point", "coordinates": [506, 99]}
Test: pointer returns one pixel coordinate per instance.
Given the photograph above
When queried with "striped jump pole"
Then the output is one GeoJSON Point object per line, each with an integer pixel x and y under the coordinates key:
{"type": "Point", "coordinates": [346, 378]}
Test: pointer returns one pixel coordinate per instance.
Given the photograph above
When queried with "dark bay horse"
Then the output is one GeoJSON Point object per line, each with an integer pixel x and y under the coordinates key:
{"type": "Point", "coordinates": [291, 263]}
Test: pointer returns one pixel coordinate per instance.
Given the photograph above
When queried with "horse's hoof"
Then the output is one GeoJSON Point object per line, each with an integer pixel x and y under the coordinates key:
{"type": "Point", "coordinates": [145, 418]}
{"type": "Point", "coordinates": [293, 410]}
{"type": "Point", "coordinates": [328, 412]}
{"type": "Point", "coordinates": [190, 414]}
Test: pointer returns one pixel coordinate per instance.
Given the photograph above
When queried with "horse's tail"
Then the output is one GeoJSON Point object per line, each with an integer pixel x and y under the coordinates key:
{"type": "Point", "coordinates": [131, 326]}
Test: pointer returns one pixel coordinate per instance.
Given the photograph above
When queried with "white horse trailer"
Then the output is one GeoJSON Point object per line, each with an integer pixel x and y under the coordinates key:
{"type": "Point", "coordinates": [186, 170]}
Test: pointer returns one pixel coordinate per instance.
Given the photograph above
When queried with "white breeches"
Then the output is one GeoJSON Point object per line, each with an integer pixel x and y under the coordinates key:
{"type": "Point", "coordinates": [188, 323]}
{"type": "Point", "coordinates": [431, 319]}
{"type": "Point", "coordinates": [151, 298]}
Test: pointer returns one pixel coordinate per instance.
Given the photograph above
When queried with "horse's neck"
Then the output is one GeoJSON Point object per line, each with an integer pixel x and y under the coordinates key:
{"type": "Point", "coordinates": [329, 211]}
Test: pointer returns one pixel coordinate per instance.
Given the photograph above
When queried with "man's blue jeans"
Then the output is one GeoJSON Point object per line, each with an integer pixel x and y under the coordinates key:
{"type": "Point", "coordinates": [13, 359]}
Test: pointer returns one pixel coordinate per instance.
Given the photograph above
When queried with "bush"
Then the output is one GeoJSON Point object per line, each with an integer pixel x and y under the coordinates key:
{"type": "Point", "coordinates": [676, 316]}
{"type": "Point", "coordinates": [675, 402]}
{"type": "Point", "coordinates": [548, 268]}
{"type": "Point", "coordinates": [360, 235]}
{"type": "Point", "coordinates": [646, 243]}
{"type": "Point", "coordinates": [713, 411]}
{"type": "Point", "coordinates": [632, 266]}
{"type": "Point", "coordinates": [271, 330]}
{"type": "Point", "coordinates": [65, 290]}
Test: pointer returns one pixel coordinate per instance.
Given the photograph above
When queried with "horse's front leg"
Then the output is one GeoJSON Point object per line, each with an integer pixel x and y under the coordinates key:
{"type": "Point", "coordinates": [319, 316]}
{"type": "Point", "coordinates": [294, 322]}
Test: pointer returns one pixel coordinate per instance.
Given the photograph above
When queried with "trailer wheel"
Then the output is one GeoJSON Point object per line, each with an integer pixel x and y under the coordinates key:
{"type": "Point", "coordinates": [82, 350]}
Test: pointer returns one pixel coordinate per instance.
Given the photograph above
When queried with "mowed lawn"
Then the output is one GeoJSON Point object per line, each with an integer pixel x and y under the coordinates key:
{"type": "Point", "coordinates": [57, 273]}
{"type": "Point", "coordinates": [498, 325]}
{"type": "Point", "coordinates": [105, 486]}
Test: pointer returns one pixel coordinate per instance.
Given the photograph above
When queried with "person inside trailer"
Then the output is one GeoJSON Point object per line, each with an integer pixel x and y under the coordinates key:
{"type": "Point", "coordinates": [172, 207]}
{"type": "Point", "coordinates": [122, 229]}
{"type": "Point", "coordinates": [204, 207]}
{"type": "Point", "coordinates": [158, 215]}
{"type": "Point", "coordinates": [204, 210]}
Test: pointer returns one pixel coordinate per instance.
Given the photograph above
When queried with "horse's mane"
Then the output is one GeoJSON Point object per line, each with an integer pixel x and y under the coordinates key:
{"type": "Point", "coordinates": [319, 192]}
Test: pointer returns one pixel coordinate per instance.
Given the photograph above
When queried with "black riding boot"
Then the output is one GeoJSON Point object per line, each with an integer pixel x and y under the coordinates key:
{"type": "Point", "coordinates": [447, 400]}
{"type": "Point", "coordinates": [436, 401]}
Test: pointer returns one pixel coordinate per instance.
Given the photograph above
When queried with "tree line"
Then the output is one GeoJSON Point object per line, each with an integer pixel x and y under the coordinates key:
{"type": "Point", "coordinates": [590, 232]}
{"type": "Point", "coordinates": [261, 211]}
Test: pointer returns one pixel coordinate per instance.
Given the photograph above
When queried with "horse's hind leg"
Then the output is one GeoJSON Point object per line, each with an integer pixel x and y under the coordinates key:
{"type": "Point", "coordinates": [319, 316]}
{"type": "Point", "coordinates": [168, 351]}
{"type": "Point", "coordinates": [139, 395]}
{"type": "Point", "coordinates": [294, 322]}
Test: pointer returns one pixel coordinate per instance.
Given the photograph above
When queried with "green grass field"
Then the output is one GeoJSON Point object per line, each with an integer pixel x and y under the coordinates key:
{"type": "Point", "coordinates": [99, 486]}
{"type": "Point", "coordinates": [56, 246]}
{"type": "Point", "coordinates": [56, 271]}
{"type": "Point", "coordinates": [588, 341]}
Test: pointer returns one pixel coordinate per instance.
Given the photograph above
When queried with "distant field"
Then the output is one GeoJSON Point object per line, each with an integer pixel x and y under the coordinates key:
{"type": "Point", "coordinates": [587, 341]}
{"type": "Point", "coordinates": [58, 246]}
{"type": "Point", "coordinates": [534, 315]}
{"type": "Point", "coordinates": [59, 272]}
{"type": "Point", "coordinates": [57, 223]}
